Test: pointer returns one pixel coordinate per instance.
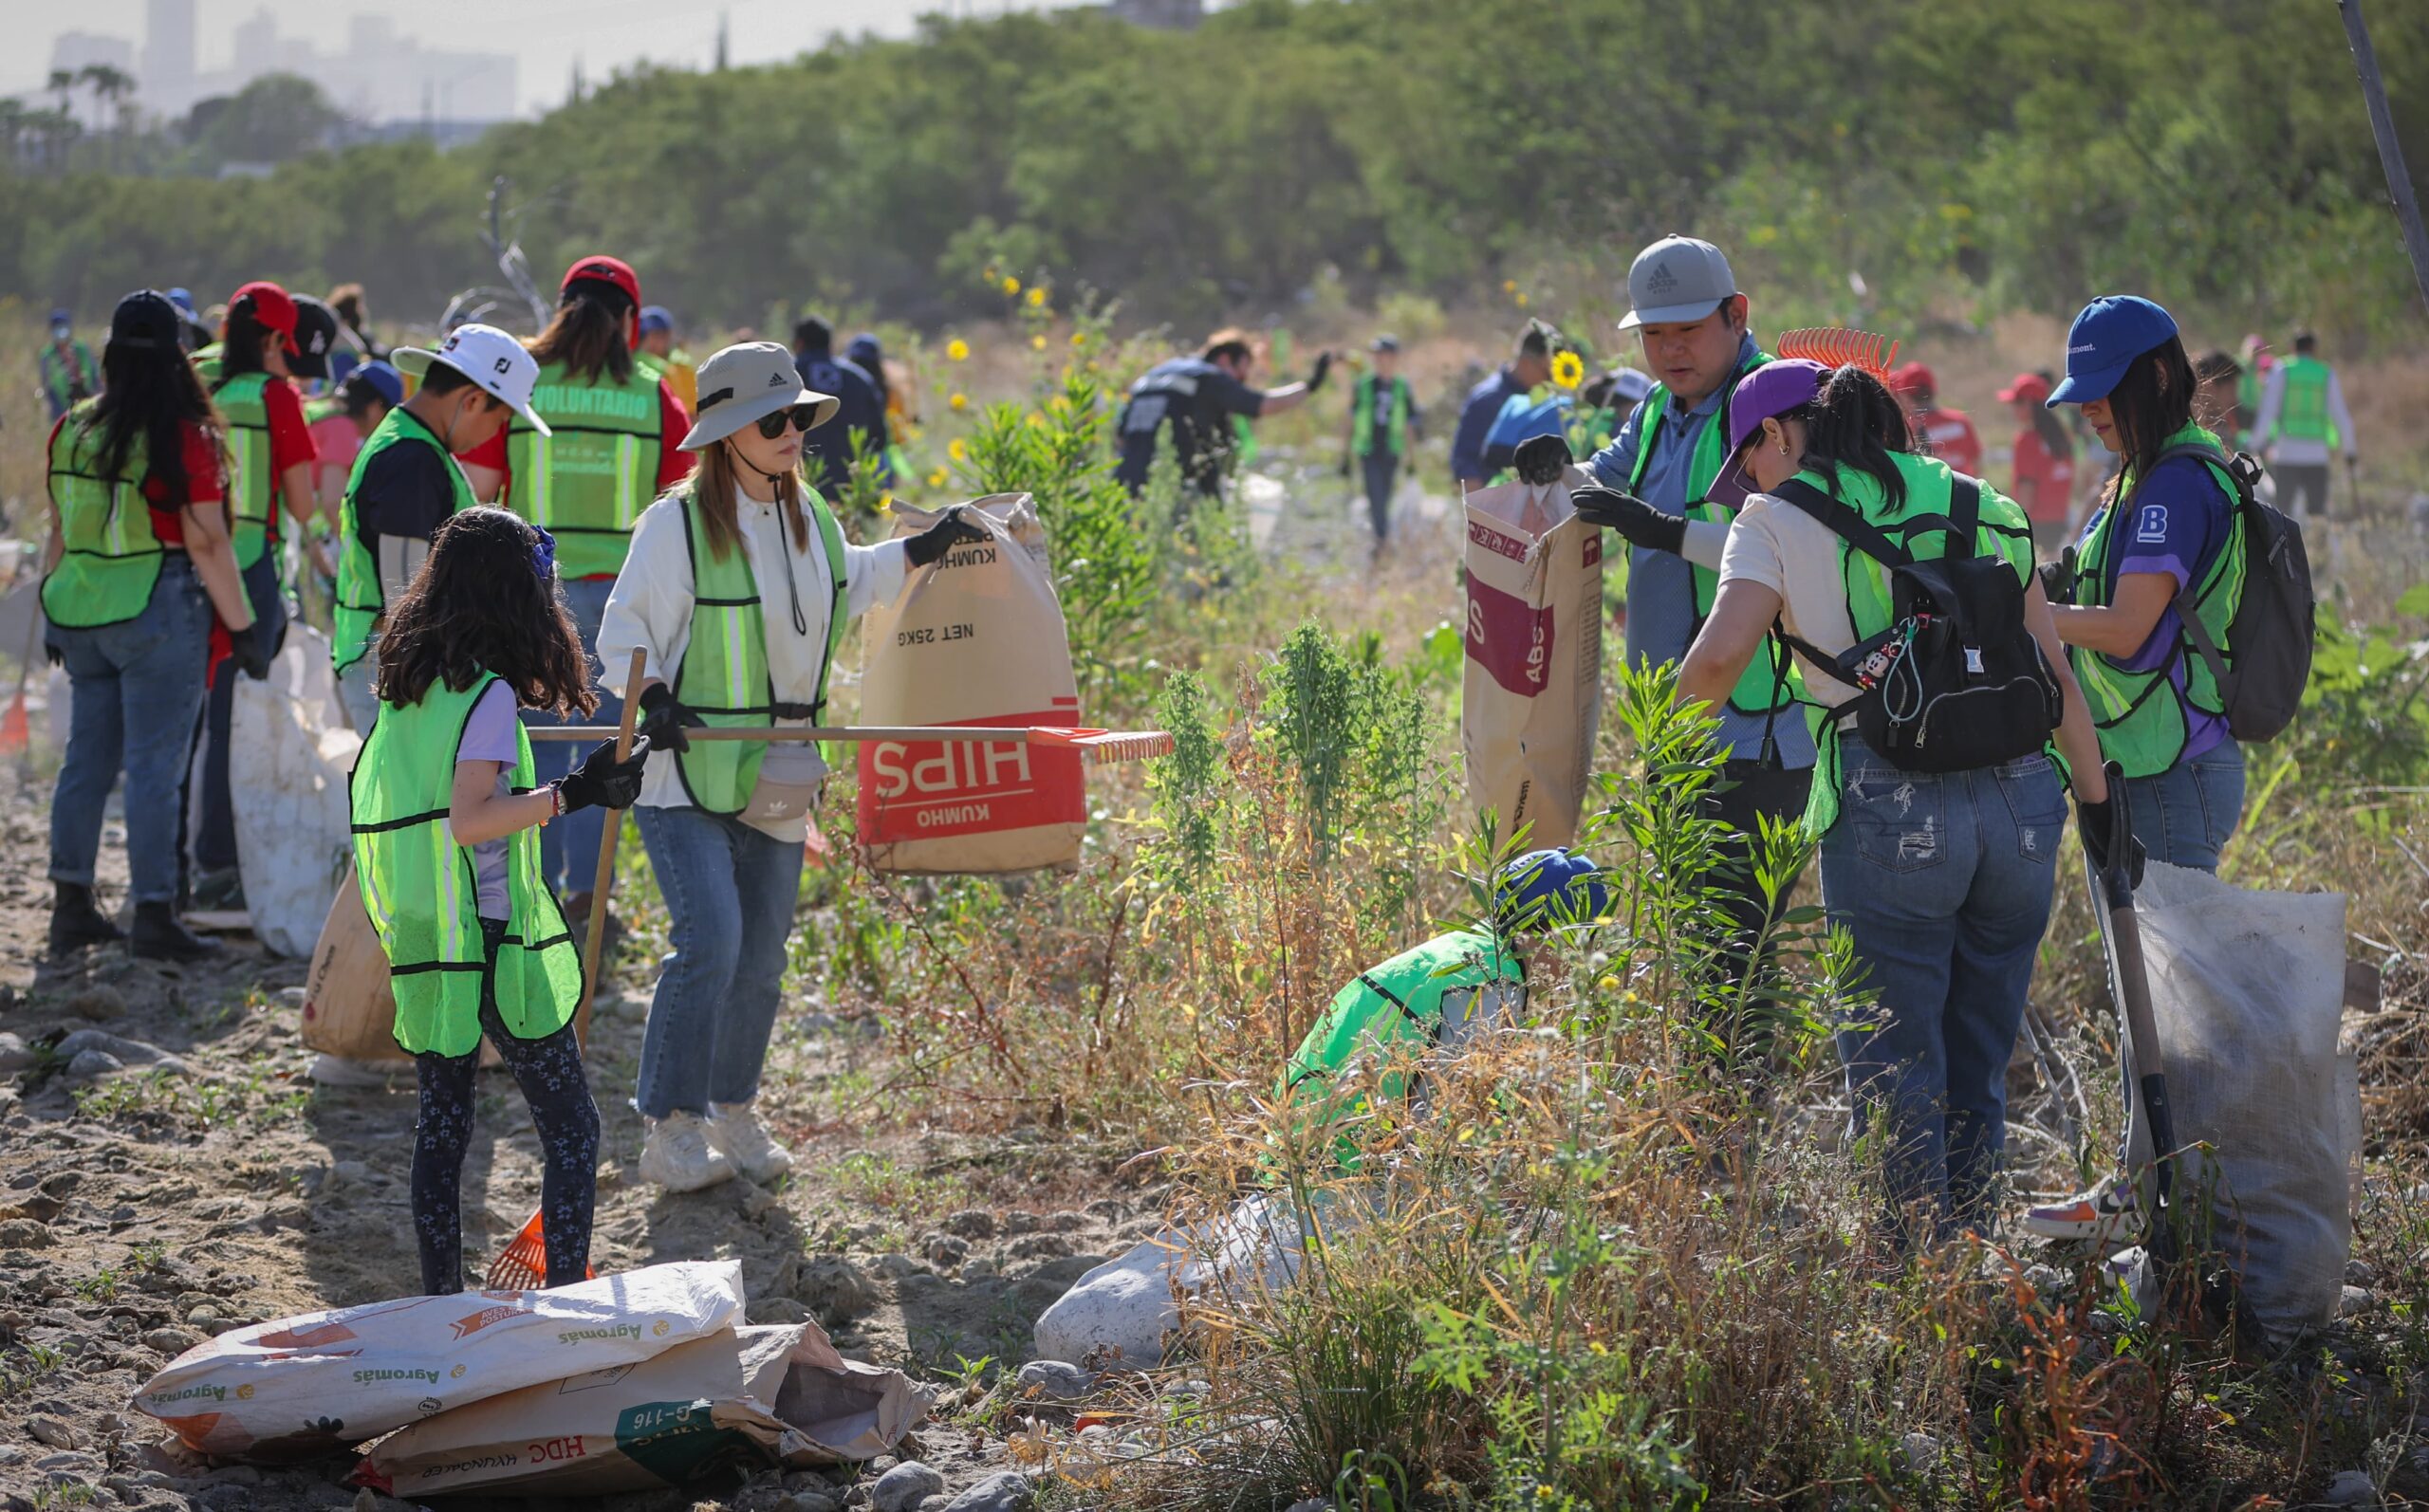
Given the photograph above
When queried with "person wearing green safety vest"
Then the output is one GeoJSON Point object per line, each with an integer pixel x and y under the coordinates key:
{"type": "Point", "coordinates": [1943, 881]}
{"type": "Point", "coordinates": [614, 444]}
{"type": "Point", "coordinates": [65, 364]}
{"type": "Point", "coordinates": [736, 592]}
{"type": "Point", "coordinates": [271, 340]}
{"type": "Point", "coordinates": [1436, 998]}
{"type": "Point", "coordinates": [137, 560]}
{"type": "Point", "coordinates": [406, 484]}
{"type": "Point", "coordinates": [659, 350]}
{"type": "Point", "coordinates": [1383, 419]}
{"type": "Point", "coordinates": [444, 803]}
{"type": "Point", "coordinates": [2303, 423]}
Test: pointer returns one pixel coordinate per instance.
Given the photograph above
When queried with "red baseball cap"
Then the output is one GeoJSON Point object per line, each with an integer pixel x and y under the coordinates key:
{"type": "Point", "coordinates": [604, 269]}
{"type": "Point", "coordinates": [271, 307]}
{"type": "Point", "coordinates": [1914, 379]}
{"type": "Point", "coordinates": [2028, 387]}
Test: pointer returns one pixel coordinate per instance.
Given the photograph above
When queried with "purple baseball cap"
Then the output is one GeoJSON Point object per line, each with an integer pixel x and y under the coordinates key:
{"type": "Point", "coordinates": [1770, 391]}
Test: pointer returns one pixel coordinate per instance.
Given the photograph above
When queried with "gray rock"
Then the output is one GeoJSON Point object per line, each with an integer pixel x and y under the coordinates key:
{"type": "Point", "coordinates": [2354, 1301]}
{"type": "Point", "coordinates": [1005, 1492]}
{"type": "Point", "coordinates": [172, 1342]}
{"type": "Point", "coordinates": [14, 1054]}
{"type": "Point", "coordinates": [904, 1487]}
{"type": "Point", "coordinates": [895, 1267]}
{"type": "Point", "coordinates": [1019, 1223]}
{"type": "Point", "coordinates": [85, 1464]}
{"type": "Point", "coordinates": [972, 1223]}
{"type": "Point", "coordinates": [2351, 1488]}
{"type": "Point", "coordinates": [24, 1233]}
{"type": "Point", "coordinates": [54, 1432]}
{"type": "Point", "coordinates": [1919, 1451]}
{"type": "Point", "coordinates": [98, 1004]}
{"type": "Point", "coordinates": [132, 1052]}
{"type": "Point", "coordinates": [778, 1310]}
{"type": "Point", "coordinates": [87, 1064]}
{"type": "Point", "coordinates": [1055, 1380]}
{"type": "Point", "coordinates": [836, 1290]}
{"type": "Point", "coordinates": [1038, 1246]}
{"type": "Point", "coordinates": [233, 1475]}
{"type": "Point", "coordinates": [1313, 1503]}
{"type": "Point", "coordinates": [809, 1501]}
{"type": "Point", "coordinates": [945, 1251]}
{"type": "Point", "coordinates": [368, 1499]}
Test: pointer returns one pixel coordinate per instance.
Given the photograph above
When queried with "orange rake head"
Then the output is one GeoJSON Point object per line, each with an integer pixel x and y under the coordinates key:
{"type": "Point", "coordinates": [1836, 346]}
{"type": "Point", "coordinates": [523, 1265]}
{"type": "Point", "coordinates": [1101, 746]}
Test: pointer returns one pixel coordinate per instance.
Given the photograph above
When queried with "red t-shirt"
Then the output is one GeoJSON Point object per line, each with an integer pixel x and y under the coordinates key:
{"type": "Point", "coordinates": [1949, 435]}
{"type": "Point", "coordinates": [290, 440]}
{"type": "Point", "coordinates": [203, 483]}
{"type": "Point", "coordinates": [674, 466]}
{"type": "Point", "coordinates": [2054, 477]}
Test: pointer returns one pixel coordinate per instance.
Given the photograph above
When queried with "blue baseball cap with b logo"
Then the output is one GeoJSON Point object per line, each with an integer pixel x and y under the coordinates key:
{"type": "Point", "coordinates": [2112, 331]}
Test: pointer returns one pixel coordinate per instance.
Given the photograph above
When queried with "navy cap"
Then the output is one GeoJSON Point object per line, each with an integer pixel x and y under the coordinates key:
{"type": "Point", "coordinates": [654, 318]}
{"type": "Point", "coordinates": [145, 320]}
{"type": "Point", "coordinates": [2112, 331]}
{"type": "Point", "coordinates": [380, 378]}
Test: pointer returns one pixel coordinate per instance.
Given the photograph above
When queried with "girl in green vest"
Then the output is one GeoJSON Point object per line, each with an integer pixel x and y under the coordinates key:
{"type": "Point", "coordinates": [1945, 880]}
{"type": "Point", "coordinates": [138, 560]}
{"type": "Point", "coordinates": [736, 591]}
{"type": "Point", "coordinates": [446, 817]}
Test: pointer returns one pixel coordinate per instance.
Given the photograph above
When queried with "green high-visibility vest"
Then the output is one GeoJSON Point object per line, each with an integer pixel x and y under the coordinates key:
{"type": "Point", "coordinates": [723, 676]}
{"type": "Point", "coordinates": [1395, 1006]}
{"type": "Point", "coordinates": [2302, 413]}
{"type": "Point", "coordinates": [1920, 525]}
{"type": "Point", "coordinates": [112, 558]}
{"type": "Point", "coordinates": [1763, 688]}
{"type": "Point", "coordinates": [361, 599]}
{"type": "Point", "coordinates": [421, 892]}
{"type": "Point", "coordinates": [1362, 421]}
{"type": "Point", "coordinates": [2139, 715]}
{"type": "Point", "coordinates": [251, 487]}
{"type": "Point", "coordinates": [63, 375]}
{"type": "Point", "coordinates": [206, 362]}
{"type": "Point", "coordinates": [589, 482]}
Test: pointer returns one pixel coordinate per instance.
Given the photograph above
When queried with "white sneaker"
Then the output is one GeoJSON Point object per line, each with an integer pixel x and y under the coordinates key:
{"type": "Point", "coordinates": [737, 1134]}
{"type": "Point", "coordinates": [2103, 1215]}
{"type": "Point", "coordinates": [678, 1155]}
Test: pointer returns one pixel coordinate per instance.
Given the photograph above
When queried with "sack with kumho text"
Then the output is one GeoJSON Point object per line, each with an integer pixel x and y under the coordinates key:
{"type": "Point", "coordinates": [975, 638]}
{"type": "Point", "coordinates": [1532, 697]}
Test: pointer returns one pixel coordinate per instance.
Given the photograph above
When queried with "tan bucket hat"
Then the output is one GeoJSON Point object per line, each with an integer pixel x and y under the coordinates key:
{"type": "Point", "coordinates": [745, 382]}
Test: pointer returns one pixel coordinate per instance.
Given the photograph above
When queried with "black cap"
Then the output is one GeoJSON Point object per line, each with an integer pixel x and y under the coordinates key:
{"type": "Point", "coordinates": [316, 332]}
{"type": "Point", "coordinates": [145, 320]}
{"type": "Point", "coordinates": [1385, 343]}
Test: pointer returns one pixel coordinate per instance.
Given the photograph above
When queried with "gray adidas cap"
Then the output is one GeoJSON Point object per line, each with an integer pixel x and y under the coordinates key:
{"type": "Point", "coordinates": [1677, 278]}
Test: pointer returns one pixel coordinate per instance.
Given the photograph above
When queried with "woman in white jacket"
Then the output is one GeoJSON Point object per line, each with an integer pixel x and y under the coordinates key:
{"type": "Point", "coordinates": [736, 591]}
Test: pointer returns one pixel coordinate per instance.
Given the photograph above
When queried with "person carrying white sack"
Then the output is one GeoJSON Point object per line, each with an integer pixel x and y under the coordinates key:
{"type": "Point", "coordinates": [736, 591]}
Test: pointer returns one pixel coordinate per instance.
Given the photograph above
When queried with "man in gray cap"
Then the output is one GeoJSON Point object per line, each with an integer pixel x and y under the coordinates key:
{"type": "Point", "coordinates": [1667, 487]}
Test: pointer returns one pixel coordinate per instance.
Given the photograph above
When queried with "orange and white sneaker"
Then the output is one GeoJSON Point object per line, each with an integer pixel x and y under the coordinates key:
{"type": "Point", "coordinates": [2106, 1213]}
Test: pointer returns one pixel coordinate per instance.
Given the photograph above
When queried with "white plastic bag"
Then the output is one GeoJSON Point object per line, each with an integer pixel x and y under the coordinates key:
{"type": "Point", "coordinates": [1133, 1302]}
{"type": "Point", "coordinates": [289, 751]}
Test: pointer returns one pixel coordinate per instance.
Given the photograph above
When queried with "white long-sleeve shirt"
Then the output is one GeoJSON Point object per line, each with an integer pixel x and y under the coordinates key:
{"type": "Point", "coordinates": [2291, 450]}
{"type": "Point", "coordinates": [651, 607]}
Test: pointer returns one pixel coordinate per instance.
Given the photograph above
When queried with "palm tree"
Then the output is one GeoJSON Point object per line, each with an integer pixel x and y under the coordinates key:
{"type": "Point", "coordinates": [111, 87]}
{"type": "Point", "coordinates": [62, 122]}
{"type": "Point", "coordinates": [14, 119]}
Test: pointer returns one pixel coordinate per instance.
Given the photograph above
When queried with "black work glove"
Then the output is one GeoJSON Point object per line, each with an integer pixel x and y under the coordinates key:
{"type": "Point", "coordinates": [663, 720]}
{"type": "Point", "coordinates": [603, 781]}
{"type": "Point", "coordinates": [1641, 523]}
{"type": "Point", "coordinates": [58, 658]}
{"type": "Point", "coordinates": [1540, 459]}
{"type": "Point", "coordinates": [2100, 831]}
{"type": "Point", "coordinates": [1317, 374]}
{"type": "Point", "coordinates": [1345, 464]}
{"type": "Point", "coordinates": [953, 531]}
{"type": "Point", "coordinates": [245, 650]}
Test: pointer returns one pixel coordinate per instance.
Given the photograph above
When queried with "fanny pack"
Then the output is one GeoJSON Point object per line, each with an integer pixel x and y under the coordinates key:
{"type": "Point", "coordinates": [791, 774]}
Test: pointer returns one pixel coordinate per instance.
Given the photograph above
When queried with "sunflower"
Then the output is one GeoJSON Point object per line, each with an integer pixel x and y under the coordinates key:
{"type": "Point", "coordinates": [1011, 286]}
{"type": "Point", "coordinates": [960, 401]}
{"type": "Point", "coordinates": [1079, 337]}
{"type": "Point", "coordinates": [937, 479]}
{"type": "Point", "coordinates": [1568, 369]}
{"type": "Point", "coordinates": [1037, 299]}
{"type": "Point", "coordinates": [958, 350]}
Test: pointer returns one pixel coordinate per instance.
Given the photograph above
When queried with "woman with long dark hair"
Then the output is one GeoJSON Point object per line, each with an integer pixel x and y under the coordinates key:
{"type": "Point", "coordinates": [139, 559]}
{"type": "Point", "coordinates": [736, 593]}
{"type": "Point", "coordinates": [1943, 879]}
{"type": "Point", "coordinates": [444, 804]}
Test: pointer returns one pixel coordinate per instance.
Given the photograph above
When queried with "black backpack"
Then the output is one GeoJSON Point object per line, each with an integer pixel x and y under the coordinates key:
{"type": "Point", "coordinates": [2267, 661]}
{"type": "Point", "coordinates": [1956, 682]}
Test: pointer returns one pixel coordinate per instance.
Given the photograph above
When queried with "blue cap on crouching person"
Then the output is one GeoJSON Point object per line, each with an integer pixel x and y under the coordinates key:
{"type": "Point", "coordinates": [2112, 331]}
{"type": "Point", "coordinates": [1545, 890]}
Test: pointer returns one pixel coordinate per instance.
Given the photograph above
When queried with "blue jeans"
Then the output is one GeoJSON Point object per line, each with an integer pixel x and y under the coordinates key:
{"type": "Point", "coordinates": [570, 848]}
{"type": "Point", "coordinates": [730, 890]}
{"type": "Point", "coordinates": [359, 688]}
{"type": "Point", "coordinates": [135, 690]}
{"type": "Point", "coordinates": [2185, 814]}
{"type": "Point", "coordinates": [214, 844]}
{"type": "Point", "coordinates": [1382, 473]}
{"type": "Point", "coordinates": [1945, 884]}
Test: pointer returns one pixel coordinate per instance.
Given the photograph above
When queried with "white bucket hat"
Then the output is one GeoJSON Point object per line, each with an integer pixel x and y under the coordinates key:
{"type": "Point", "coordinates": [747, 382]}
{"type": "Point", "coordinates": [489, 358]}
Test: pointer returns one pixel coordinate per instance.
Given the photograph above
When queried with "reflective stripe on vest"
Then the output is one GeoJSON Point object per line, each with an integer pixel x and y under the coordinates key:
{"type": "Point", "coordinates": [1395, 1004]}
{"type": "Point", "coordinates": [360, 597]}
{"type": "Point", "coordinates": [1761, 690]}
{"type": "Point", "coordinates": [2140, 731]}
{"type": "Point", "coordinates": [1919, 523]}
{"type": "Point", "coordinates": [590, 480]}
{"type": "Point", "coordinates": [1362, 423]}
{"type": "Point", "coordinates": [421, 891]}
{"type": "Point", "coordinates": [111, 559]}
{"type": "Point", "coordinates": [724, 677]}
{"type": "Point", "coordinates": [2302, 414]}
{"type": "Point", "coordinates": [250, 485]}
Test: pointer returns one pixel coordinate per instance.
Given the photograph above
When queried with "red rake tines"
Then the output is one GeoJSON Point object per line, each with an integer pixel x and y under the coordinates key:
{"type": "Point", "coordinates": [1836, 346]}
{"type": "Point", "coordinates": [14, 734]}
{"type": "Point", "coordinates": [523, 1265]}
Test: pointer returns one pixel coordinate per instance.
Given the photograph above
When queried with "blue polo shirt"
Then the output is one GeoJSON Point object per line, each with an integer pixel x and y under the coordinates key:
{"type": "Point", "coordinates": [1475, 420]}
{"type": "Point", "coordinates": [1662, 587]}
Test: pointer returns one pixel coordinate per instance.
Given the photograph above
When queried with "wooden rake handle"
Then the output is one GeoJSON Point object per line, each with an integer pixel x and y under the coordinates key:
{"type": "Point", "coordinates": [1100, 746]}
{"type": "Point", "coordinates": [602, 878]}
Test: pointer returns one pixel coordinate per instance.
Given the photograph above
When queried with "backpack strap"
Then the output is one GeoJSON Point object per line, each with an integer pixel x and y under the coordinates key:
{"type": "Point", "coordinates": [1964, 515]}
{"type": "Point", "coordinates": [1841, 519]}
{"type": "Point", "coordinates": [2194, 631]}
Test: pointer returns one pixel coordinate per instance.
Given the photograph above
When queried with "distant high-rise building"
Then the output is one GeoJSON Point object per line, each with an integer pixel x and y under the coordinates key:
{"type": "Point", "coordinates": [1158, 15]}
{"type": "Point", "coordinates": [76, 51]}
{"type": "Point", "coordinates": [255, 45]}
{"type": "Point", "coordinates": [166, 81]}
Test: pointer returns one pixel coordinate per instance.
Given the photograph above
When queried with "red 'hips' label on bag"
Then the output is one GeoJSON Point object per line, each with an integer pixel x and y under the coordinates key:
{"type": "Point", "coordinates": [912, 790]}
{"type": "Point", "coordinates": [1509, 638]}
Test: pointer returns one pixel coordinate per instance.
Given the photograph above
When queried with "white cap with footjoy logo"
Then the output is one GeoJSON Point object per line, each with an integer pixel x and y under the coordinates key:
{"type": "Point", "coordinates": [489, 358]}
{"type": "Point", "coordinates": [1677, 278]}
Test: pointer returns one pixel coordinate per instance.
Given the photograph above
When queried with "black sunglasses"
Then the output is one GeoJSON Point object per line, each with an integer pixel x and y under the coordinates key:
{"type": "Point", "coordinates": [801, 417]}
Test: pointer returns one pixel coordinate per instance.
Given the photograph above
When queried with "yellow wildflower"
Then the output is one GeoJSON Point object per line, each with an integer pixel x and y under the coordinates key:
{"type": "Point", "coordinates": [1510, 286]}
{"type": "Point", "coordinates": [1079, 337]}
{"type": "Point", "coordinates": [958, 350]}
{"type": "Point", "coordinates": [960, 401]}
{"type": "Point", "coordinates": [1522, 301]}
{"type": "Point", "coordinates": [954, 449]}
{"type": "Point", "coordinates": [937, 479]}
{"type": "Point", "coordinates": [1036, 297]}
{"type": "Point", "coordinates": [1568, 370]}
{"type": "Point", "coordinates": [1037, 343]}
{"type": "Point", "coordinates": [1011, 286]}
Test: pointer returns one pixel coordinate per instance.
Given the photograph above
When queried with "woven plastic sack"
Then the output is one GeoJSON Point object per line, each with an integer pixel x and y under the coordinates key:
{"type": "Point", "coordinates": [288, 752]}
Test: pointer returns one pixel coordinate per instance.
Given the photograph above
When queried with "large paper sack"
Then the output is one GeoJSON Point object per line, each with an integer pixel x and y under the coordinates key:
{"type": "Point", "coordinates": [975, 638]}
{"type": "Point", "coordinates": [349, 1008]}
{"type": "Point", "coordinates": [303, 1387]}
{"type": "Point", "coordinates": [289, 752]}
{"type": "Point", "coordinates": [2247, 992]}
{"type": "Point", "coordinates": [747, 1398]}
{"type": "Point", "coordinates": [1532, 689]}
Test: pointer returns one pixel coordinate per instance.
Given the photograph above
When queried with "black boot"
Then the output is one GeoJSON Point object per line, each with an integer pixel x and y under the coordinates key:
{"type": "Point", "coordinates": [158, 936]}
{"type": "Point", "coordinates": [76, 923]}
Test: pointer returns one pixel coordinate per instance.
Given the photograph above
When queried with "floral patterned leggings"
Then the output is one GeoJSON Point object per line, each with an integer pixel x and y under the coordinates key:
{"type": "Point", "coordinates": [549, 1072]}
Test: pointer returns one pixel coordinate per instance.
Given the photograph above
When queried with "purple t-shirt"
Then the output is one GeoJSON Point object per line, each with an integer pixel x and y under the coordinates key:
{"type": "Point", "coordinates": [2182, 519]}
{"type": "Point", "coordinates": [491, 735]}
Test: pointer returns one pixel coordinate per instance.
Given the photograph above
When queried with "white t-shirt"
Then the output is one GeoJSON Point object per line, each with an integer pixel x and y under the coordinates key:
{"type": "Point", "coordinates": [1779, 545]}
{"type": "Point", "coordinates": [651, 607]}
